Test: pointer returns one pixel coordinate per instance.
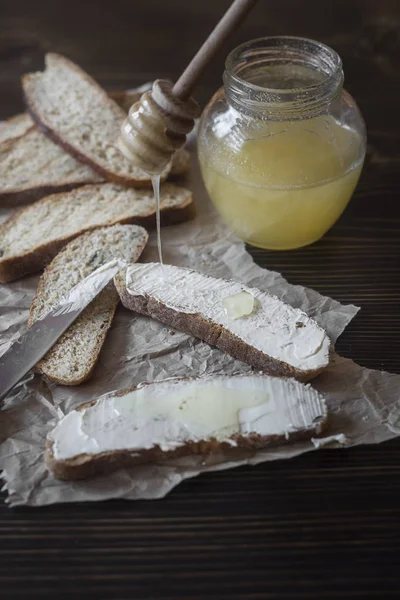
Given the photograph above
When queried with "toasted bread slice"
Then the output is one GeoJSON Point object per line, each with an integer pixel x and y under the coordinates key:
{"type": "Point", "coordinates": [126, 98]}
{"type": "Point", "coordinates": [181, 417]}
{"type": "Point", "coordinates": [74, 111]}
{"type": "Point", "coordinates": [19, 124]}
{"type": "Point", "coordinates": [72, 359]}
{"type": "Point", "coordinates": [32, 166]}
{"type": "Point", "coordinates": [271, 336]}
{"type": "Point", "coordinates": [180, 164]}
{"type": "Point", "coordinates": [33, 236]}
{"type": "Point", "coordinates": [15, 126]}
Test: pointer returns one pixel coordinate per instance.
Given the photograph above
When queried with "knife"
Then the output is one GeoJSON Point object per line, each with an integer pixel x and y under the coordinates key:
{"type": "Point", "coordinates": [31, 346]}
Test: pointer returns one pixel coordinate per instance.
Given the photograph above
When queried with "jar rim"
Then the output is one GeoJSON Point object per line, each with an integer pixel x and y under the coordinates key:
{"type": "Point", "coordinates": [317, 57]}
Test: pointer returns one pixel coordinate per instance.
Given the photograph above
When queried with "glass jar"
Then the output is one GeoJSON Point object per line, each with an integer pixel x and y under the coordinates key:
{"type": "Point", "coordinates": [282, 144]}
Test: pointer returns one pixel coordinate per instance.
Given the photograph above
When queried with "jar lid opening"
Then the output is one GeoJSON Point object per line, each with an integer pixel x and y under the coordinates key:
{"type": "Point", "coordinates": [281, 69]}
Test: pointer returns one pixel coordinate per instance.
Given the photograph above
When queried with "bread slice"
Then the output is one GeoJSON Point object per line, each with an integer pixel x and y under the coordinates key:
{"type": "Point", "coordinates": [180, 164]}
{"type": "Point", "coordinates": [19, 124]}
{"type": "Point", "coordinates": [32, 166]}
{"type": "Point", "coordinates": [72, 359]}
{"type": "Point", "coordinates": [74, 111]}
{"type": "Point", "coordinates": [125, 98]}
{"type": "Point", "coordinates": [15, 127]}
{"type": "Point", "coordinates": [181, 417]}
{"type": "Point", "coordinates": [32, 237]}
{"type": "Point", "coordinates": [270, 335]}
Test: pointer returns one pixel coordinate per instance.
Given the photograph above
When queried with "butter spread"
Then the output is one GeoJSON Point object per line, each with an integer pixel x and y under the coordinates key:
{"type": "Point", "coordinates": [239, 305]}
{"type": "Point", "coordinates": [171, 412]}
{"type": "Point", "coordinates": [339, 438]}
{"type": "Point", "coordinates": [275, 328]}
{"type": "Point", "coordinates": [88, 287]}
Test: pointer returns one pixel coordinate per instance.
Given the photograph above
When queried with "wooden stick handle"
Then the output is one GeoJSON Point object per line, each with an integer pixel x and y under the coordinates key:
{"type": "Point", "coordinates": [233, 17]}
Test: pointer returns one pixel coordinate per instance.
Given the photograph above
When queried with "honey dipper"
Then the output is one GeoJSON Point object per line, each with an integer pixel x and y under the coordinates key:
{"type": "Point", "coordinates": [157, 125]}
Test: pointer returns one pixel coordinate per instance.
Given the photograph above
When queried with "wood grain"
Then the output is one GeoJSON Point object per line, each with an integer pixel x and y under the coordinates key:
{"type": "Point", "coordinates": [324, 525]}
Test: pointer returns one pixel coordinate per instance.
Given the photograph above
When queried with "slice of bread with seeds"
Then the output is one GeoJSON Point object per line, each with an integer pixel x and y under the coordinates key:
{"type": "Point", "coordinates": [72, 359]}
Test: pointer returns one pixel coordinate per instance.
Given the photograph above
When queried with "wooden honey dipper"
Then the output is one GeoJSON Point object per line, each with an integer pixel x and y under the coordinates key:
{"type": "Point", "coordinates": [157, 125]}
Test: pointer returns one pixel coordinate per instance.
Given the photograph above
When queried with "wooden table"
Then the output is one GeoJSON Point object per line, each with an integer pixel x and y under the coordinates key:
{"type": "Point", "coordinates": [325, 525]}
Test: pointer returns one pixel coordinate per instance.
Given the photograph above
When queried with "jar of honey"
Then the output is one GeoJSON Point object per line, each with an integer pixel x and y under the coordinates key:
{"type": "Point", "coordinates": [282, 144]}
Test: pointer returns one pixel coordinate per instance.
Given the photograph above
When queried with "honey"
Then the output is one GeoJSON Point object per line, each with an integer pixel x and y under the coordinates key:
{"type": "Point", "coordinates": [281, 146]}
{"type": "Point", "coordinates": [154, 129]}
{"type": "Point", "coordinates": [287, 188]}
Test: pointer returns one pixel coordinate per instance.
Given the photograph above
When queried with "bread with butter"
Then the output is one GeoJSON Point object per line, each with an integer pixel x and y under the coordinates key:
{"type": "Point", "coordinates": [272, 336]}
{"type": "Point", "coordinates": [33, 236]}
{"type": "Point", "coordinates": [72, 359]}
{"type": "Point", "coordinates": [180, 417]}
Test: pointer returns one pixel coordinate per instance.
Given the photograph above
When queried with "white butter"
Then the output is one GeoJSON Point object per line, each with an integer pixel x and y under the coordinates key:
{"type": "Point", "coordinates": [275, 328]}
{"type": "Point", "coordinates": [171, 412]}
{"type": "Point", "coordinates": [339, 438]}
{"type": "Point", "coordinates": [239, 305]}
{"type": "Point", "coordinates": [89, 286]}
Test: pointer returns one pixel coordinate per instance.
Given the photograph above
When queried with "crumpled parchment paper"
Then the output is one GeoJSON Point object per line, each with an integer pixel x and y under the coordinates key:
{"type": "Point", "coordinates": [364, 404]}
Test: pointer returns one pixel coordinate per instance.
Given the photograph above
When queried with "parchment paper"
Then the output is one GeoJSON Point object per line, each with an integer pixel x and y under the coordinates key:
{"type": "Point", "coordinates": [364, 404]}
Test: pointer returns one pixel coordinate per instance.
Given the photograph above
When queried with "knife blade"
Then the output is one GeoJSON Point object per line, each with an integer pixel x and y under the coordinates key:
{"type": "Point", "coordinates": [32, 345]}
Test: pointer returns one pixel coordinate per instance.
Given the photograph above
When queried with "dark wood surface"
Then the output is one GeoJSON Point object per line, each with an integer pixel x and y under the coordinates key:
{"type": "Point", "coordinates": [325, 525]}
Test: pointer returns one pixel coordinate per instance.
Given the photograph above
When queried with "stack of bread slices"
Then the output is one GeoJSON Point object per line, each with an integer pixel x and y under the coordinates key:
{"type": "Point", "coordinates": [85, 203]}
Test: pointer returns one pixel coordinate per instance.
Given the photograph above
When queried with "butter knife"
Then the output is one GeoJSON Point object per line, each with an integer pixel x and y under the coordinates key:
{"type": "Point", "coordinates": [31, 346]}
